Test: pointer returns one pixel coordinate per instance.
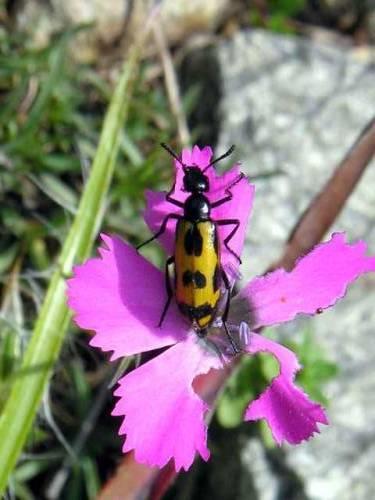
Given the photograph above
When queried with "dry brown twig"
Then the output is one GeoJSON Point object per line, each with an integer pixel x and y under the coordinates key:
{"type": "Point", "coordinates": [171, 83]}
{"type": "Point", "coordinates": [326, 206]}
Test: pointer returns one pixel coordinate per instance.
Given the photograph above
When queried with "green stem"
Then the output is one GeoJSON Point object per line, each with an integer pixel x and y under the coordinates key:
{"type": "Point", "coordinates": [53, 320]}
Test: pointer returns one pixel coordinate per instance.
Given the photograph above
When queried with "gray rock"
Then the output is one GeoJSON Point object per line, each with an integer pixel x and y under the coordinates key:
{"type": "Point", "coordinates": [114, 22]}
{"type": "Point", "coordinates": [295, 106]}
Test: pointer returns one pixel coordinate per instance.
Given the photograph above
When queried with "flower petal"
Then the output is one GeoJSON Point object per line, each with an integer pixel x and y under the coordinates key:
{"type": "Point", "coordinates": [317, 282]}
{"type": "Point", "coordinates": [201, 157]}
{"type": "Point", "coordinates": [121, 296]}
{"type": "Point", "coordinates": [164, 417]}
{"type": "Point", "coordinates": [291, 416]}
{"type": "Point", "coordinates": [157, 208]}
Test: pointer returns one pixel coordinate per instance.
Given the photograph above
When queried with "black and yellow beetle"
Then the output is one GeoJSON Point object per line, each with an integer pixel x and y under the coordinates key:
{"type": "Point", "coordinates": [198, 273]}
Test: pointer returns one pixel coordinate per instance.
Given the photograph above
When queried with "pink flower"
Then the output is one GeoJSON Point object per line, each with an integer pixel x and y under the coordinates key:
{"type": "Point", "coordinates": [120, 296]}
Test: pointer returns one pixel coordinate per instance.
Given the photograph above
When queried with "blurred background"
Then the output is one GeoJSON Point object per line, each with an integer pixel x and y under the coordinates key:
{"type": "Point", "coordinates": [292, 84]}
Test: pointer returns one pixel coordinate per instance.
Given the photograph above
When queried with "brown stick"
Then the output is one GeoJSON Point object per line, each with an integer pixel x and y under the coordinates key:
{"type": "Point", "coordinates": [171, 84]}
{"type": "Point", "coordinates": [326, 206]}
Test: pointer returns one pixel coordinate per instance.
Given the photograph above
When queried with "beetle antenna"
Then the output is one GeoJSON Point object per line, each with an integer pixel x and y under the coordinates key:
{"type": "Point", "coordinates": [229, 152]}
{"type": "Point", "coordinates": [171, 152]}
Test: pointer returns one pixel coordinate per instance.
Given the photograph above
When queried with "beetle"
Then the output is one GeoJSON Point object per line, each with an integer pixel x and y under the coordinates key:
{"type": "Point", "coordinates": [198, 273]}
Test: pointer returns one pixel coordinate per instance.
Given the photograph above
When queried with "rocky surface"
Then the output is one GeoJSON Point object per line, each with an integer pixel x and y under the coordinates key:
{"type": "Point", "coordinates": [296, 107]}
{"type": "Point", "coordinates": [114, 23]}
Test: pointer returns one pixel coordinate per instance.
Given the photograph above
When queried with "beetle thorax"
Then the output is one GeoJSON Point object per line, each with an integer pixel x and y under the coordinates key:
{"type": "Point", "coordinates": [197, 207]}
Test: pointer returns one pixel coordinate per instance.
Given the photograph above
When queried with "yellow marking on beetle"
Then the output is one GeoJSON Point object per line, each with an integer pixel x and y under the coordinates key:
{"type": "Point", "coordinates": [197, 261]}
{"type": "Point", "coordinates": [205, 321]}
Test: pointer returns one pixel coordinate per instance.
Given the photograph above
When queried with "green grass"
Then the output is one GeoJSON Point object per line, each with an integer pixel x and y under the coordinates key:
{"type": "Point", "coordinates": [277, 16]}
{"type": "Point", "coordinates": [50, 120]}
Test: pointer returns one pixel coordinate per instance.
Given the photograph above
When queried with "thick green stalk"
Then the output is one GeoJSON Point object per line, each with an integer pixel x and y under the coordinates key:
{"type": "Point", "coordinates": [52, 322]}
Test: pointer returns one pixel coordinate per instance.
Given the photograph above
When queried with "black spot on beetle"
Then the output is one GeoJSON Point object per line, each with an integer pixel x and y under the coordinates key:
{"type": "Point", "coordinates": [199, 279]}
{"type": "Point", "coordinates": [185, 309]}
{"type": "Point", "coordinates": [216, 241]}
{"type": "Point", "coordinates": [216, 279]}
{"type": "Point", "coordinates": [195, 313]}
{"type": "Point", "coordinates": [202, 311]}
{"type": "Point", "coordinates": [187, 278]}
{"type": "Point", "coordinates": [193, 242]}
{"type": "Point", "coordinates": [188, 242]}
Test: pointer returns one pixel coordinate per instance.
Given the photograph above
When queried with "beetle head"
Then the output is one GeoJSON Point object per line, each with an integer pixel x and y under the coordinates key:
{"type": "Point", "coordinates": [195, 181]}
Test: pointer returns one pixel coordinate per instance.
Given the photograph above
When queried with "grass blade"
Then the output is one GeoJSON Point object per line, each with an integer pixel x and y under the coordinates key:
{"type": "Point", "coordinates": [51, 325]}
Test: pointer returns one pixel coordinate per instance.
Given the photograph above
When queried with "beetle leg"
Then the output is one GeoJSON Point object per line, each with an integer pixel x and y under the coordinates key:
{"type": "Point", "coordinates": [227, 288]}
{"type": "Point", "coordinates": [161, 230]}
{"type": "Point", "coordinates": [169, 198]}
{"type": "Point", "coordinates": [235, 348]}
{"type": "Point", "coordinates": [229, 194]}
{"type": "Point", "coordinates": [227, 222]}
{"type": "Point", "coordinates": [168, 287]}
